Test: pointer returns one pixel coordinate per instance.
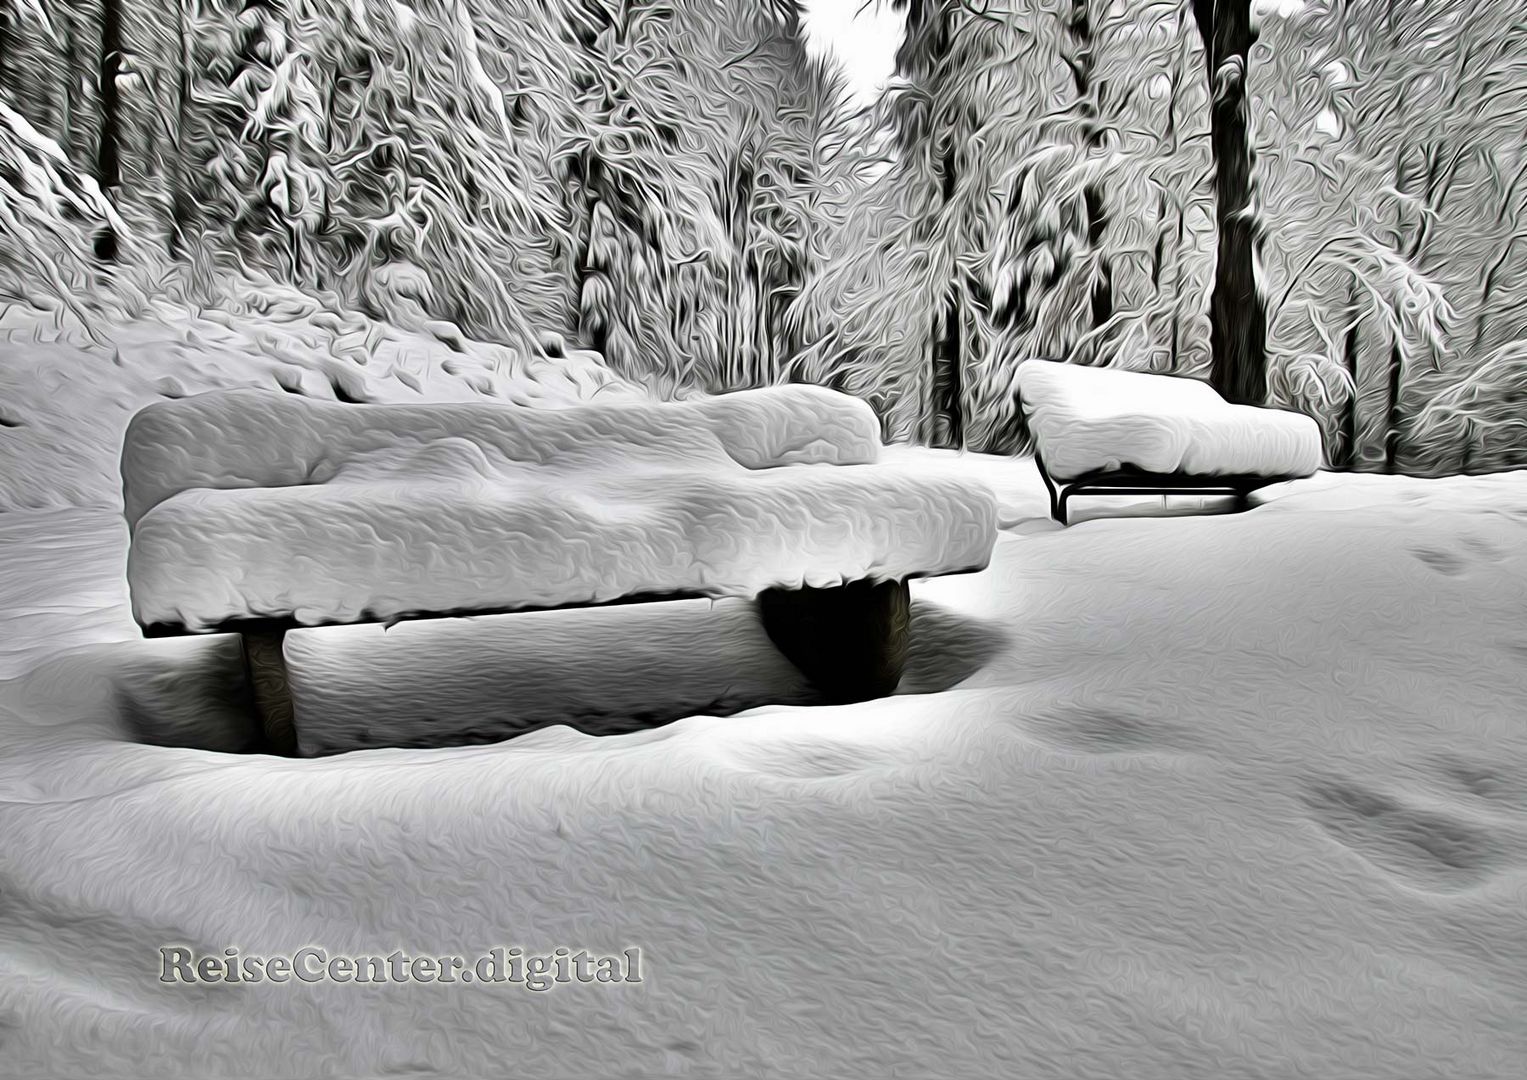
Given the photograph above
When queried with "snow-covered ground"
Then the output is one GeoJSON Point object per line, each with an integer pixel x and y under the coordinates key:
{"type": "Point", "coordinates": [1193, 796]}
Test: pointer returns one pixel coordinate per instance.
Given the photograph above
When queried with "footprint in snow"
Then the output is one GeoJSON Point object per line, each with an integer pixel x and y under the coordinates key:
{"type": "Point", "coordinates": [1099, 730]}
{"type": "Point", "coordinates": [1428, 848]}
{"type": "Point", "coordinates": [1483, 548]}
{"type": "Point", "coordinates": [810, 759]}
{"type": "Point", "coordinates": [1501, 789]}
{"type": "Point", "coordinates": [1444, 562]}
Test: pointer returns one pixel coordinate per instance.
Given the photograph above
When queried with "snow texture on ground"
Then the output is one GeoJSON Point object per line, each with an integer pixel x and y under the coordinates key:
{"type": "Point", "coordinates": [1086, 419]}
{"type": "Point", "coordinates": [1187, 797]}
{"type": "Point", "coordinates": [247, 504]}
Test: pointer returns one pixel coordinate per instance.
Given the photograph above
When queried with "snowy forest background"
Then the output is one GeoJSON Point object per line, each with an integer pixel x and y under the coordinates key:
{"type": "Point", "coordinates": [682, 187]}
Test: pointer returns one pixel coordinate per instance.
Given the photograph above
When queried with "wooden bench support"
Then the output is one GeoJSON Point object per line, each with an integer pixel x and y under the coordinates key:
{"type": "Point", "coordinates": [849, 640]}
{"type": "Point", "coordinates": [265, 666]}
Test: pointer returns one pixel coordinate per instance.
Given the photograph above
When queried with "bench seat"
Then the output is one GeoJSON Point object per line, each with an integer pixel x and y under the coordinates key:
{"type": "Point", "coordinates": [378, 550]}
{"type": "Point", "coordinates": [1110, 431]}
{"type": "Point", "coordinates": [326, 513]}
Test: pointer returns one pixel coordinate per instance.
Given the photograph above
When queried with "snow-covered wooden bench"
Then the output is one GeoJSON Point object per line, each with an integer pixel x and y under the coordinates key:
{"type": "Point", "coordinates": [255, 512]}
{"type": "Point", "coordinates": [1105, 431]}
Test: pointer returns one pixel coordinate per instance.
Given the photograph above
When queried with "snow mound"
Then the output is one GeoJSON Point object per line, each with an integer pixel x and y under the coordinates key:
{"type": "Point", "coordinates": [251, 505]}
{"type": "Point", "coordinates": [1088, 419]}
{"type": "Point", "coordinates": [66, 397]}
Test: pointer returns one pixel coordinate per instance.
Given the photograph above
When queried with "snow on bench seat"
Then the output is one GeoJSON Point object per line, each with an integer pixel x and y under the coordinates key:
{"type": "Point", "coordinates": [1089, 420]}
{"type": "Point", "coordinates": [248, 504]}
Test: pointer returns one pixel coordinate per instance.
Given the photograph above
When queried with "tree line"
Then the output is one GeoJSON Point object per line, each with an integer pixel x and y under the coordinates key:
{"type": "Point", "coordinates": [638, 176]}
{"type": "Point", "coordinates": [1317, 203]}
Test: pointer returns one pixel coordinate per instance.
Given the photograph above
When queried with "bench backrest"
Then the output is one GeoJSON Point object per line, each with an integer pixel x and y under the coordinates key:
{"type": "Point", "coordinates": [259, 438]}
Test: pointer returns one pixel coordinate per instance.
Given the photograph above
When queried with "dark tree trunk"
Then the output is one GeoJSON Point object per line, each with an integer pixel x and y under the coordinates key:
{"type": "Point", "coordinates": [75, 141]}
{"type": "Point", "coordinates": [1393, 417]}
{"type": "Point", "coordinates": [1158, 250]}
{"type": "Point", "coordinates": [1177, 275]}
{"type": "Point", "coordinates": [1082, 60]}
{"type": "Point", "coordinates": [1102, 287]}
{"type": "Point", "coordinates": [10, 42]}
{"type": "Point", "coordinates": [948, 418]}
{"type": "Point", "coordinates": [941, 420]}
{"type": "Point", "coordinates": [109, 149]}
{"type": "Point", "coordinates": [948, 354]}
{"type": "Point", "coordinates": [1351, 451]}
{"type": "Point", "coordinates": [1237, 309]}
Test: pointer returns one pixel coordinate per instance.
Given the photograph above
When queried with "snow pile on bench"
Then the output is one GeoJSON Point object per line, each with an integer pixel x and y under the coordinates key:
{"type": "Point", "coordinates": [247, 505]}
{"type": "Point", "coordinates": [1088, 419]}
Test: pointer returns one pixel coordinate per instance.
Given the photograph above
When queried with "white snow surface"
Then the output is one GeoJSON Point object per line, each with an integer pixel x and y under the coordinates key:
{"type": "Point", "coordinates": [1207, 797]}
{"type": "Point", "coordinates": [250, 504]}
{"type": "Point", "coordinates": [1086, 419]}
{"type": "Point", "coordinates": [1226, 796]}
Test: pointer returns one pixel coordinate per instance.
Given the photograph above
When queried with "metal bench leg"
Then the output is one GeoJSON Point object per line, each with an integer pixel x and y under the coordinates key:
{"type": "Point", "coordinates": [1057, 496]}
{"type": "Point", "coordinates": [849, 640]}
{"type": "Point", "coordinates": [265, 665]}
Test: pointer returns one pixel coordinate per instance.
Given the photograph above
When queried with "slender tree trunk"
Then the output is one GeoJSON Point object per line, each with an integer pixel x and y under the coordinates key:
{"type": "Point", "coordinates": [1237, 308]}
{"type": "Point", "coordinates": [323, 242]}
{"type": "Point", "coordinates": [948, 356]}
{"type": "Point", "coordinates": [1393, 417]}
{"type": "Point", "coordinates": [182, 206]}
{"type": "Point", "coordinates": [8, 45]}
{"type": "Point", "coordinates": [1351, 346]}
{"type": "Point", "coordinates": [1177, 275]}
{"type": "Point", "coordinates": [67, 19]}
{"type": "Point", "coordinates": [49, 88]}
{"type": "Point", "coordinates": [1430, 175]}
{"type": "Point", "coordinates": [1158, 249]}
{"type": "Point", "coordinates": [940, 415]}
{"type": "Point", "coordinates": [1082, 60]}
{"type": "Point", "coordinates": [109, 148]}
{"type": "Point", "coordinates": [948, 418]}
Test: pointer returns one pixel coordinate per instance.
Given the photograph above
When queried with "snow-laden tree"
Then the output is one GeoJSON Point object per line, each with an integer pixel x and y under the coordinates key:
{"type": "Point", "coordinates": [1391, 156]}
{"type": "Point", "coordinates": [676, 183]}
{"type": "Point", "coordinates": [695, 156]}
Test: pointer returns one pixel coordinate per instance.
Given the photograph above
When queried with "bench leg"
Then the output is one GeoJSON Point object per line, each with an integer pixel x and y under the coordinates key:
{"type": "Point", "coordinates": [265, 665]}
{"type": "Point", "coordinates": [1057, 495]}
{"type": "Point", "coordinates": [849, 640]}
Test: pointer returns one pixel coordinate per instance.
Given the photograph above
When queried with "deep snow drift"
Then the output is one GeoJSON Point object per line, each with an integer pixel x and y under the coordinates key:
{"type": "Point", "coordinates": [1188, 797]}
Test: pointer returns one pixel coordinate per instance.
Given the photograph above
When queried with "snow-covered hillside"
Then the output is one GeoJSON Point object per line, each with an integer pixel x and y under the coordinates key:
{"type": "Point", "coordinates": [1162, 797]}
{"type": "Point", "coordinates": [65, 399]}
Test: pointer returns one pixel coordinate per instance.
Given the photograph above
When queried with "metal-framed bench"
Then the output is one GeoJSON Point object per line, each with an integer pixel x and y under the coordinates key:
{"type": "Point", "coordinates": [1104, 431]}
{"type": "Point", "coordinates": [255, 513]}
